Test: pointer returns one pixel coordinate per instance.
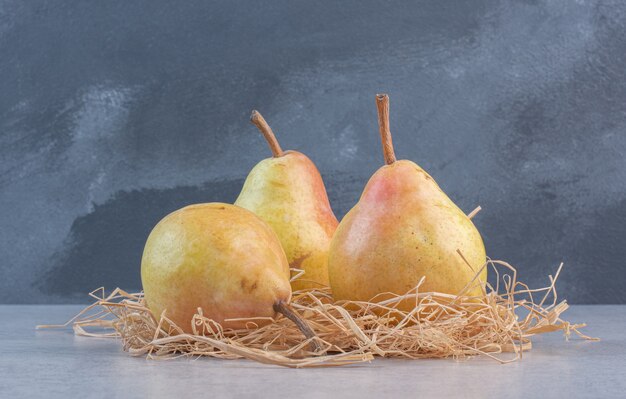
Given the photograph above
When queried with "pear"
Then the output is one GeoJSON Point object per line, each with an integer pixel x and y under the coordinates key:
{"type": "Point", "coordinates": [288, 193]}
{"type": "Point", "coordinates": [218, 257]}
{"type": "Point", "coordinates": [403, 228]}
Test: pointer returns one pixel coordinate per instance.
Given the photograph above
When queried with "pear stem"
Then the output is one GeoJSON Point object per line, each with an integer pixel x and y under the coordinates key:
{"type": "Point", "coordinates": [382, 103]}
{"type": "Point", "coordinates": [286, 310]}
{"type": "Point", "coordinates": [257, 119]}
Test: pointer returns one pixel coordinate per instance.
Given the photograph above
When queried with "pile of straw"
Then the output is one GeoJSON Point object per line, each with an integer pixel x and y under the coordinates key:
{"type": "Point", "coordinates": [499, 325]}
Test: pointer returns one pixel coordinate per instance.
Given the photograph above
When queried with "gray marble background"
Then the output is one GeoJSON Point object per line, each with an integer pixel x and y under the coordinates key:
{"type": "Point", "coordinates": [115, 113]}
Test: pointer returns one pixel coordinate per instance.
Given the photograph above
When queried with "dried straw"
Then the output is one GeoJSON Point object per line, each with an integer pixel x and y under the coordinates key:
{"type": "Point", "coordinates": [439, 326]}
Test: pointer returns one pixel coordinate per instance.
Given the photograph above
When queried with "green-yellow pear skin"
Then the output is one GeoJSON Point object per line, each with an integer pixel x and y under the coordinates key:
{"type": "Point", "coordinates": [403, 228]}
{"type": "Point", "coordinates": [288, 193]}
{"type": "Point", "coordinates": [214, 256]}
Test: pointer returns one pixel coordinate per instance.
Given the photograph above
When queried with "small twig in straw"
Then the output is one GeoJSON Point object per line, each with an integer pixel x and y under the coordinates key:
{"type": "Point", "coordinates": [474, 212]}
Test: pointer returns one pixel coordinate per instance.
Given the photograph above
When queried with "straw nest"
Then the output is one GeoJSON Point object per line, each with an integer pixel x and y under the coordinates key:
{"type": "Point", "coordinates": [499, 325]}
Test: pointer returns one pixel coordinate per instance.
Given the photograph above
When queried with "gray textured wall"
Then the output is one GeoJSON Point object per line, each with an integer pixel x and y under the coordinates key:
{"type": "Point", "coordinates": [114, 113]}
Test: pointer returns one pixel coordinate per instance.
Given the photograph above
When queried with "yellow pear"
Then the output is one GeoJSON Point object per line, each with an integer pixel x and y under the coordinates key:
{"type": "Point", "coordinates": [218, 257]}
{"type": "Point", "coordinates": [288, 193]}
{"type": "Point", "coordinates": [403, 228]}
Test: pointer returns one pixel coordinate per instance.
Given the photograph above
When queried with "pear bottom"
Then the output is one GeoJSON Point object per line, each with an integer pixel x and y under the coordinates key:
{"type": "Point", "coordinates": [217, 257]}
{"type": "Point", "coordinates": [404, 228]}
{"type": "Point", "coordinates": [288, 193]}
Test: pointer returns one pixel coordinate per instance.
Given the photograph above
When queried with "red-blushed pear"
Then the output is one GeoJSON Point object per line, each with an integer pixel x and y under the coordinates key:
{"type": "Point", "coordinates": [218, 257]}
{"type": "Point", "coordinates": [288, 193]}
{"type": "Point", "coordinates": [403, 228]}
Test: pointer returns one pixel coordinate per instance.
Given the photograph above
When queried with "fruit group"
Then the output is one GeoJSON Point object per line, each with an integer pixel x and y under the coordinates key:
{"type": "Point", "coordinates": [403, 228]}
{"type": "Point", "coordinates": [218, 257]}
{"type": "Point", "coordinates": [288, 193]}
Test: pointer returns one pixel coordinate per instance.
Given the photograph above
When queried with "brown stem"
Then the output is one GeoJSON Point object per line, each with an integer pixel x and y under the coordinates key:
{"type": "Point", "coordinates": [286, 310]}
{"type": "Point", "coordinates": [257, 119]}
{"type": "Point", "coordinates": [382, 103]}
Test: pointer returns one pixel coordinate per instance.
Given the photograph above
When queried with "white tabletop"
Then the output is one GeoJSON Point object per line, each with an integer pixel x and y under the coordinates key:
{"type": "Point", "coordinates": [54, 364]}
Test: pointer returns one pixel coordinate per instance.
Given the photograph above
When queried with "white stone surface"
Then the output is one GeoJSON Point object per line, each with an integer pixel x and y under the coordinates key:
{"type": "Point", "coordinates": [51, 364]}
